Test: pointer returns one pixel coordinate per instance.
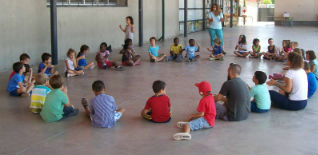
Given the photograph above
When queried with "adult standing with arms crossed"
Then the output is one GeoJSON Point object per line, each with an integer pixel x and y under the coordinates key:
{"type": "Point", "coordinates": [215, 18]}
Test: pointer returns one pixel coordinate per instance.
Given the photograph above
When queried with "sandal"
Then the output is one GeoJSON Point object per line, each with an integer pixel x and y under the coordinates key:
{"type": "Point", "coordinates": [182, 136]}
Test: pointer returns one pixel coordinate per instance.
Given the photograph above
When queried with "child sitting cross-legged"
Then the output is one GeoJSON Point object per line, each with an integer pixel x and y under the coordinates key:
{"type": "Point", "coordinates": [81, 58]}
{"type": "Point", "coordinates": [102, 110]}
{"type": "Point", "coordinates": [102, 58]}
{"type": "Point", "coordinates": [39, 93]}
{"type": "Point", "coordinates": [204, 118]}
{"type": "Point", "coordinates": [129, 57]}
{"type": "Point", "coordinates": [241, 47]}
{"type": "Point", "coordinates": [46, 66]}
{"type": "Point", "coordinates": [154, 54]}
{"type": "Point", "coordinates": [71, 68]}
{"type": "Point", "coordinates": [157, 108]}
{"type": "Point", "coordinates": [256, 49]}
{"type": "Point", "coordinates": [191, 50]}
{"type": "Point", "coordinates": [261, 102]}
{"type": "Point", "coordinates": [176, 51]}
{"type": "Point", "coordinates": [17, 85]}
{"type": "Point", "coordinates": [57, 104]}
{"type": "Point", "coordinates": [271, 50]}
{"type": "Point", "coordinates": [217, 51]}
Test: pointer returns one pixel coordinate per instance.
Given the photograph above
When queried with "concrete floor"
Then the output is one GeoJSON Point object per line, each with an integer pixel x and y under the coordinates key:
{"type": "Point", "coordinates": [276, 132]}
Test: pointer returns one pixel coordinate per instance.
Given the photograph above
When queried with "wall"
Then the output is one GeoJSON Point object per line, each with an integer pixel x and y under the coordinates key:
{"type": "Point", "coordinates": [25, 26]}
{"type": "Point", "coordinates": [300, 10]}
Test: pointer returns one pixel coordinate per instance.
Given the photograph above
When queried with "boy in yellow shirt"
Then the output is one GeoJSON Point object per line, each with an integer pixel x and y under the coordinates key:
{"type": "Point", "coordinates": [176, 51]}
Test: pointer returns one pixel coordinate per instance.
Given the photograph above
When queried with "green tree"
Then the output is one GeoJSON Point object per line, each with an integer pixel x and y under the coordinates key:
{"type": "Point", "coordinates": [267, 2]}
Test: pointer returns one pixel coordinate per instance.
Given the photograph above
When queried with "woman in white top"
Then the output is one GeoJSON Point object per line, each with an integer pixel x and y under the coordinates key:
{"type": "Point", "coordinates": [71, 68]}
{"type": "Point", "coordinates": [215, 18]}
{"type": "Point", "coordinates": [129, 29]}
{"type": "Point", "coordinates": [293, 94]}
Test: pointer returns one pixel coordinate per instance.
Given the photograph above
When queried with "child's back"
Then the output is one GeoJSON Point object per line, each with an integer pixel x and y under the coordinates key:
{"type": "Point", "coordinates": [207, 105]}
{"type": "Point", "coordinates": [261, 96]}
{"type": "Point", "coordinates": [38, 97]}
{"type": "Point", "coordinates": [160, 108]}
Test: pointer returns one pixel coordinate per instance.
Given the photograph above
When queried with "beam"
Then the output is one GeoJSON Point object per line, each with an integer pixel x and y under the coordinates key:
{"type": "Point", "coordinates": [204, 15]}
{"type": "Point", "coordinates": [54, 47]}
{"type": "Point", "coordinates": [231, 13]}
{"type": "Point", "coordinates": [163, 20]}
{"type": "Point", "coordinates": [185, 24]}
{"type": "Point", "coordinates": [141, 31]}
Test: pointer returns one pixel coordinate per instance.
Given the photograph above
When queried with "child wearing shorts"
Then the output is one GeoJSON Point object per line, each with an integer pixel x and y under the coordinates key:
{"type": "Point", "coordinates": [241, 47]}
{"type": "Point", "coordinates": [191, 50]}
{"type": "Point", "coordinates": [217, 51]}
{"type": "Point", "coordinates": [176, 51]}
{"type": "Point", "coordinates": [102, 58]}
{"type": "Point", "coordinates": [81, 58]}
{"type": "Point", "coordinates": [204, 118]}
{"type": "Point", "coordinates": [39, 93]}
{"type": "Point", "coordinates": [153, 50]}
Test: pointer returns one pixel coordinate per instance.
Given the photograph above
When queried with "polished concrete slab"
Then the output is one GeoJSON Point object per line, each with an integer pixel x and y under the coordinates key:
{"type": "Point", "coordinates": [276, 132]}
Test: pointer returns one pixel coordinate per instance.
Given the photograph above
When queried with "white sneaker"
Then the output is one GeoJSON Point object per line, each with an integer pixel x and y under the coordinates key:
{"type": "Point", "coordinates": [181, 124]}
{"type": "Point", "coordinates": [182, 136]}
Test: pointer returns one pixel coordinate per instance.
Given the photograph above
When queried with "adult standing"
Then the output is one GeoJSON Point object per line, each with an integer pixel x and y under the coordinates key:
{"type": "Point", "coordinates": [215, 18]}
{"type": "Point", "coordinates": [235, 96]}
{"type": "Point", "coordinates": [293, 93]}
{"type": "Point", "coordinates": [129, 29]}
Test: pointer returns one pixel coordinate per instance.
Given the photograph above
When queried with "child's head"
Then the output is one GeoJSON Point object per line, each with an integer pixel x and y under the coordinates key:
{"type": "Point", "coordinates": [103, 46]}
{"type": "Point", "coordinates": [298, 51]}
{"type": "Point", "coordinates": [159, 87]}
{"type": "Point", "coordinates": [98, 87]}
{"type": "Point", "coordinates": [56, 81]}
{"type": "Point", "coordinates": [271, 41]}
{"type": "Point", "coordinates": [46, 58]}
{"type": "Point", "coordinates": [286, 43]}
{"type": "Point", "coordinates": [204, 88]}
{"type": "Point", "coordinates": [192, 42]}
{"type": "Point", "coordinates": [294, 44]}
{"type": "Point", "coordinates": [41, 79]}
{"type": "Point", "coordinates": [18, 67]}
{"type": "Point", "coordinates": [242, 39]}
{"type": "Point", "coordinates": [71, 53]}
{"type": "Point", "coordinates": [84, 49]}
{"type": "Point", "coordinates": [176, 41]}
{"type": "Point", "coordinates": [24, 58]}
{"type": "Point", "coordinates": [259, 77]}
{"type": "Point", "coordinates": [217, 42]}
{"type": "Point", "coordinates": [130, 20]}
{"type": "Point", "coordinates": [310, 55]}
{"type": "Point", "coordinates": [307, 67]}
{"type": "Point", "coordinates": [256, 42]}
{"type": "Point", "coordinates": [128, 42]}
{"type": "Point", "coordinates": [295, 61]}
{"type": "Point", "coordinates": [152, 41]}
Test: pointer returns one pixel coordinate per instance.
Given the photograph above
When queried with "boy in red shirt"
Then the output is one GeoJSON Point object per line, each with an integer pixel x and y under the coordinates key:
{"type": "Point", "coordinates": [205, 117]}
{"type": "Point", "coordinates": [157, 108]}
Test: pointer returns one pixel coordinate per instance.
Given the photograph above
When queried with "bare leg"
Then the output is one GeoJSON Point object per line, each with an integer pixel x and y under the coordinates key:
{"type": "Point", "coordinates": [187, 128]}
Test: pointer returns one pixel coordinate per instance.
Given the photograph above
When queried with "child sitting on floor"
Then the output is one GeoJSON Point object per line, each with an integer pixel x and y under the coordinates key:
{"type": "Point", "coordinates": [154, 51]}
{"type": "Point", "coordinates": [191, 50]}
{"type": "Point", "coordinates": [256, 49]}
{"type": "Point", "coordinates": [102, 110]}
{"type": "Point", "coordinates": [311, 57]}
{"type": "Point", "coordinates": [129, 58]}
{"type": "Point", "coordinates": [312, 82]}
{"type": "Point", "coordinates": [157, 108]}
{"type": "Point", "coordinates": [71, 68]}
{"type": "Point", "coordinates": [293, 45]}
{"type": "Point", "coordinates": [39, 93]}
{"type": "Point", "coordinates": [286, 50]}
{"type": "Point", "coordinates": [57, 104]}
{"type": "Point", "coordinates": [205, 117]}
{"type": "Point", "coordinates": [271, 50]}
{"type": "Point", "coordinates": [17, 85]}
{"type": "Point", "coordinates": [241, 48]}
{"type": "Point", "coordinates": [217, 51]}
{"type": "Point", "coordinates": [46, 66]}
{"type": "Point", "coordinates": [24, 59]}
{"type": "Point", "coordinates": [176, 51]}
{"type": "Point", "coordinates": [102, 58]}
{"type": "Point", "coordinates": [261, 102]}
{"type": "Point", "coordinates": [81, 58]}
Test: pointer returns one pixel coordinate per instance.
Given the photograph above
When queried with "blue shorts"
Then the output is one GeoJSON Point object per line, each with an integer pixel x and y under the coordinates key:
{"type": "Point", "coordinates": [242, 52]}
{"type": "Point", "coordinates": [117, 116]}
{"type": "Point", "coordinates": [15, 93]}
{"type": "Point", "coordinates": [199, 123]}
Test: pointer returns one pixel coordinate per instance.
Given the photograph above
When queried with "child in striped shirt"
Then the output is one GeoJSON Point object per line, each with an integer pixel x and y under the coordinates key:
{"type": "Point", "coordinates": [39, 93]}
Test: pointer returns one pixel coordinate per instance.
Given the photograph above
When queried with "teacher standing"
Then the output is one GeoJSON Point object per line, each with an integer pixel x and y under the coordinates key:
{"type": "Point", "coordinates": [215, 18]}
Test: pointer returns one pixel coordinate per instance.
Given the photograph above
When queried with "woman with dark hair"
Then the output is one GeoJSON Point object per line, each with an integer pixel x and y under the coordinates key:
{"type": "Point", "coordinates": [215, 18]}
{"type": "Point", "coordinates": [292, 94]}
{"type": "Point", "coordinates": [129, 29]}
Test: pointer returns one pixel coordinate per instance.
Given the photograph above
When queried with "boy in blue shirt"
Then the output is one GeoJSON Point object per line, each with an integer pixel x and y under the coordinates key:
{"type": "Point", "coordinates": [312, 82]}
{"type": "Point", "coordinates": [217, 51]}
{"type": "Point", "coordinates": [46, 66]}
{"type": "Point", "coordinates": [16, 86]}
{"type": "Point", "coordinates": [154, 51]}
{"type": "Point", "coordinates": [102, 111]}
{"type": "Point", "coordinates": [259, 93]}
{"type": "Point", "coordinates": [191, 50]}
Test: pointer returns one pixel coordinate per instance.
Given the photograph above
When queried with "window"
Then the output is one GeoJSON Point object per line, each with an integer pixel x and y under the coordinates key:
{"type": "Point", "coordinates": [76, 3]}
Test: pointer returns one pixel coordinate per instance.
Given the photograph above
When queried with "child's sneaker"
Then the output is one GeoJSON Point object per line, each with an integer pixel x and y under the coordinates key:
{"type": "Point", "coordinates": [182, 136]}
{"type": "Point", "coordinates": [181, 124]}
{"type": "Point", "coordinates": [212, 59]}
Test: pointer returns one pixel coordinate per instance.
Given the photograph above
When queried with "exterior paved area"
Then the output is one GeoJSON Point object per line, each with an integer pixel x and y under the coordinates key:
{"type": "Point", "coordinates": [277, 132]}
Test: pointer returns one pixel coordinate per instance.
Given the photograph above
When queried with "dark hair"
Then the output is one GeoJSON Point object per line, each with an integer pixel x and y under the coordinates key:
{"type": "Point", "coordinates": [152, 38]}
{"type": "Point", "coordinates": [98, 86]}
{"type": "Point", "coordinates": [261, 77]}
{"type": "Point", "coordinates": [307, 66]}
{"type": "Point", "coordinates": [82, 49]}
{"type": "Point", "coordinates": [311, 54]}
{"type": "Point", "coordinates": [128, 41]}
{"type": "Point", "coordinates": [158, 85]}
{"type": "Point", "coordinates": [175, 39]}
{"type": "Point", "coordinates": [24, 56]}
{"type": "Point", "coordinates": [46, 56]}
{"type": "Point", "coordinates": [17, 67]}
{"type": "Point", "coordinates": [217, 40]}
{"type": "Point", "coordinates": [270, 39]}
{"type": "Point", "coordinates": [56, 81]}
{"type": "Point", "coordinates": [255, 41]}
{"type": "Point", "coordinates": [190, 40]}
{"type": "Point", "coordinates": [287, 42]}
{"type": "Point", "coordinates": [103, 44]}
{"type": "Point", "coordinates": [296, 60]}
{"type": "Point", "coordinates": [235, 68]}
{"type": "Point", "coordinates": [218, 9]}
{"type": "Point", "coordinates": [131, 19]}
{"type": "Point", "coordinates": [243, 39]}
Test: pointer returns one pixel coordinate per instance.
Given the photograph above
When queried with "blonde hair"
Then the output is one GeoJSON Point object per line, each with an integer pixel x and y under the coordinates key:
{"type": "Point", "coordinates": [218, 9]}
{"type": "Point", "coordinates": [70, 51]}
{"type": "Point", "coordinates": [41, 79]}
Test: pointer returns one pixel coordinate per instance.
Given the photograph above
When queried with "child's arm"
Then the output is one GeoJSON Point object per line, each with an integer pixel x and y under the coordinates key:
{"type": "Point", "coordinates": [64, 89]}
{"type": "Point", "coordinates": [195, 116]}
{"type": "Point", "coordinates": [132, 28]}
{"type": "Point", "coordinates": [23, 89]}
{"type": "Point", "coordinates": [198, 46]}
{"type": "Point", "coordinates": [313, 68]}
{"type": "Point", "coordinates": [121, 28]}
{"type": "Point", "coordinates": [44, 69]}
